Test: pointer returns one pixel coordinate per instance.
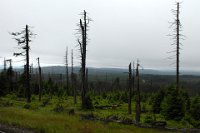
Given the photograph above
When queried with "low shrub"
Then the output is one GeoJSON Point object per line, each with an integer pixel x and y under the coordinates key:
{"type": "Point", "coordinates": [58, 108]}
{"type": "Point", "coordinates": [27, 106]}
{"type": "Point", "coordinates": [148, 119]}
{"type": "Point", "coordinates": [7, 103]}
{"type": "Point", "coordinates": [45, 102]}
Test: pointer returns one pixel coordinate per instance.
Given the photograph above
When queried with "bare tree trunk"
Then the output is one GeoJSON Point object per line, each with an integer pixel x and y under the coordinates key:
{"type": "Point", "coordinates": [83, 43]}
{"type": "Point", "coordinates": [72, 77]}
{"type": "Point", "coordinates": [67, 71]}
{"type": "Point", "coordinates": [4, 64]}
{"type": "Point", "coordinates": [28, 91]}
{"type": "Point", "coordinates": [176, 36]}
{"type": "Point", "coordinates": [133, 79]}
{"type": "Point", "coordinates": [40, 79]}
{"type": "Point", "coordinates": [130, 90]}
{"type": "Point", "coordinates": [177, 44]}
{"type": "Point", "coordinates": [83, 58]}
{"type": "Point", "coordinates": [138, 106]}
{"type": "Point", "coordinates": [23, 42]}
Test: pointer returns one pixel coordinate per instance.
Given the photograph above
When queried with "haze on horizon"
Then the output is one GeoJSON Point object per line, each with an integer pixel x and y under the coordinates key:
{"type": "Point", "coordinates": [121, 31]}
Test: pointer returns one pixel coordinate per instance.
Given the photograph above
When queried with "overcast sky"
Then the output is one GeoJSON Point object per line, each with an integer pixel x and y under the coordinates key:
{"type": "Point", "coordinates": [121, 31]}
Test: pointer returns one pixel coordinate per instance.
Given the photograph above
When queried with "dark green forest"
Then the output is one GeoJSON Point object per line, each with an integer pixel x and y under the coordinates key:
{"type": "Point", "coordinates": [160, 100]}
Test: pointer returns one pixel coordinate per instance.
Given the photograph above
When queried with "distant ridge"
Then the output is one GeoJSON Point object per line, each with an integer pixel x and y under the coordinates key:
{"type": "Point", "coordinates": [93, 70]}
{"type": "Point", "coordinates": [61, 69]}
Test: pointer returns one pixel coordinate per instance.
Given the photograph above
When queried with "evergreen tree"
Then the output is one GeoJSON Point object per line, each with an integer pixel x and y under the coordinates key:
{"type": "Point", "coordinates": [173, 106]}
{"type": "Point", "coordinates": [195, 108]}
{"type": "Point", "coordinates": [156, 103]}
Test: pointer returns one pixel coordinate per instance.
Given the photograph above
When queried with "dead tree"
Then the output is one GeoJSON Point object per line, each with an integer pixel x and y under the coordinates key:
{"type": "Point", "coordinates": [23, 39]}
{"type": "Point", "coordinates": [130, 89]}
{"type": "Point", "coordinates": [4, 64]}
{"type": "Point", "coordinates": [67, 68]}
{"type": "Point", "coordinates": [176, 36]}
{"type": "Point", "coordinates": [138, 106]}
{"type": "Point", "coordinates": [177, 46]}
{"type": "Point", "coordinates": [40, 79]}
{"type": "Point", "coordinates": [133, 78]}
{"type": "Point", "coordinates": [73, 77]}
{"type": "Point", "coordinates": [83, 28]}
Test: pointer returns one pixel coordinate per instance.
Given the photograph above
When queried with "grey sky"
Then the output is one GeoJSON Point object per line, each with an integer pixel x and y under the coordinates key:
{"type": "Point", "coordinates": [122, 30]}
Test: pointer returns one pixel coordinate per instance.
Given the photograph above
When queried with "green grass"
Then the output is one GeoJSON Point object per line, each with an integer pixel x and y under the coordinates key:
{"type": "Point", "coordinates": [44, 119]}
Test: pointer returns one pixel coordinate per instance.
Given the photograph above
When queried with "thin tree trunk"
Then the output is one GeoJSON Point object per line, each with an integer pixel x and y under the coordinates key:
{"type": "Point", "coordinates": [4, 64]}
{"type": "Point", "coordinates": [28, 91]}
{"type": "Point", "coordinates": [133, 79]}
{"type": "Point", "coordinates": [72, 77]}
{"type": "Point", "coordinates": [138, 106]}
{"type": "Point", "coordinates": [130, 90]}
{"type": "Point", "coordinates": [67, 69]}
{"type": "Point", "coordinates": [83, 44]}
{"type": "Point", "coordinates": [83, 68]}
{"type": "Point", "coordinates": [177, 44]}
{"type": "Point", "coordinates": [40, 80]}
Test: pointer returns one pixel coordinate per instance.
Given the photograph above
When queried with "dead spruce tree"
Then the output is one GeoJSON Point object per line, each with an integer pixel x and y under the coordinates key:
{"type": "Point", "coordinates": [23, 38]}
{"type": "Point", "coordinates": [40, 79]}
{"type": "Point", "coordinates": [138, 106]}
{"type": "Point", "coordinates": [176, 36]}
{"type": "Point", "coordinates": [67, 68]}
{"type": "Point", "coordinates": [73, 77]}
{"type": "Point", "coordinates": [130, 89]}
{"type": "Point", "coordinates": [83, 28]}
{"type": "Point", "coordinates": [133, 79]}
{"type": "Point", "coordinates": [4, 64]}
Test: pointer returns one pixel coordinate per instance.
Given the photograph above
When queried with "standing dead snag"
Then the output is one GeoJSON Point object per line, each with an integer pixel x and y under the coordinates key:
{"type": "Point", "coordinates": [130, 90]}
{"type": "Point", "coordinates": [23, 39]}
{"type": "Point", "coordinates": [67, 68]}
{"type": "Point", "coordinates": [138, 106]}
{"type": "Point", "coordinates": [73, 77]}
{"type": "Point", "coordinates": [83, 43]}
{"type": "Point", "coordinates": [4, 64]}
{"type": "Point", "coordinates": [177, 46]}
{"type": "Point", "coordinates": [176, 25]}
{"type": "Point", "coordinates": [133, 78]}
{"type": "Point", "coordinates": [40, 79]}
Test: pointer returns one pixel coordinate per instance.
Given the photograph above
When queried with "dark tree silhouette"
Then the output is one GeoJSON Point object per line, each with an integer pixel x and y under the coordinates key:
{"type": "Point", "coordinates": [130, 89]}
{"type": "Point", "coordinates": [67, 68]}
{"type": "Point", "coordinates": [83, 28]}
{"type": "Point", "coordinates": [138, 106]}
{"type": "Point", "coordinates": [73, 77]}
{"type": "Point", "coordinates": [4, 64]}
{"type": "Point", "coordinates": [133, 78]}
{"type": "Point", "coordinates": [176, 36]}
{"type": "Point", "coordinates": [23, 39]}
{"type": "Point", "coordinates": [40, 79]}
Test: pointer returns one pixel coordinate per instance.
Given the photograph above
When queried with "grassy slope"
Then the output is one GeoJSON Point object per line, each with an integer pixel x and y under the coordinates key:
{"type": "Point", "coordinates": [43, 119]}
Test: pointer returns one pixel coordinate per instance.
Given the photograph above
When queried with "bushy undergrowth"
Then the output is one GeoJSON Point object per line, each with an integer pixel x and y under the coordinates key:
{"type": "Point", "coordinates": [62, 105]}
{"type": "Point", "coordinates": [6, 103]}
{"type": "Point", "coordinates": [27, 106]}
{"type": "Point", "coordinates": [58, 108]}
